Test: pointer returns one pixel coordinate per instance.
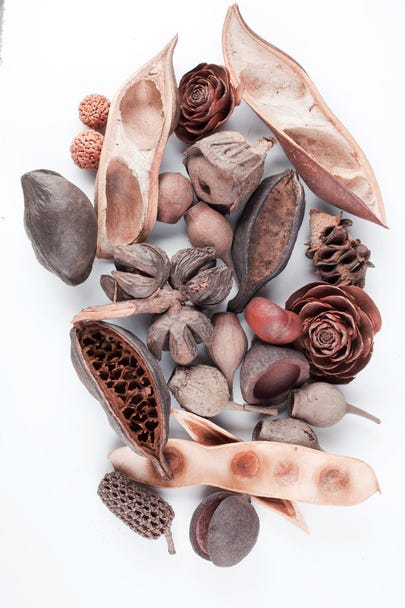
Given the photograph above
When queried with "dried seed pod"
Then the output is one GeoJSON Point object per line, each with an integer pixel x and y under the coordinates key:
{"type": "Point", "coordinates": [112, 290]}
{"type": "Point", "coordinates": [61, 224]}
{"type": "Point", "coordinates": [144, 512]}
{"type": "Point", "coordinates": [85, 149]}
{"type": "Point", "coordinates": [260, 468]}
{"type": "Point", "coordinates": [224, 528]}
{"type": "Point", "coordinates": [195, 274]}
{"type": "Point", "coordinates": [271, 323]}
{"type": "Point", "coordinates": [225, 168]}
{"type": "Point", "coordinates": [208, 228]}
{"type": "Point", "coordinates": [269, 372]}
{"type": "Point", "coordinates": [144, 259]}
{"type": "Point", "coordinates": [337, 256]}
{"type": "Point", "coordinates": [323, 404]}
{"type": "Point", "coordinates": [228, 344]}
{"type": "Point", "coordinates": [142, 115]}
{"type": "Point", "coordinates": [93, 111]}
{"type": "Point", "coordinates": [179, 332]}
{"type": "Point", "coordinates": [286, 430]}
{"type": "Point", "coordinates": [203, 390]}
{"type": "Point", "coordinates": [135, 285]}
{"type": "Point", "coordinates": [207, 433]}
{"type": "Point", "coordinates": [278, 89]}
{"type": "Point", "coordinates": [175, 196]}
{"type": "Point", "coordinates": [265, 234]}
{"type": "Point", "coordinates": [120, 372]}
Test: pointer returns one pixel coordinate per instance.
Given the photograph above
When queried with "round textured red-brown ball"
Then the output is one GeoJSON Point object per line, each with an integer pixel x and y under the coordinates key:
{"type": "Point", "coordinates": [85, 149]}
{"type": "Point", "coordinates": [271, 323]}
{"type": "Point", "coordinates": [93, 111]}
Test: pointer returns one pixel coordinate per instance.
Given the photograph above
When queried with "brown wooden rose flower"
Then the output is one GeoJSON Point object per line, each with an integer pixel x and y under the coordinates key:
{"type": "Point", "coordinates": [207, 99]}
{"type": "Point", "coordinates": [339, 324]}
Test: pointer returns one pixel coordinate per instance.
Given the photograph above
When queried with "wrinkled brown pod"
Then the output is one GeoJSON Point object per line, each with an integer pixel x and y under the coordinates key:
{"type": "Point", "coordinates": [278, 89]}
{"type": "Point", "coordinates": [265, 234]}
{"type": "Point", "coordinates": [120, 372]}
{"type": "Point", "coordinates": [269, 372]}
{"type": "Point", "coordinates": [208, 433]}
{"type": "Point", "coordinates": [261, 468]}
{"type": "Point", "coordinates": [228, 344]}
{"type": "Point", "coordinates": [142, 115]}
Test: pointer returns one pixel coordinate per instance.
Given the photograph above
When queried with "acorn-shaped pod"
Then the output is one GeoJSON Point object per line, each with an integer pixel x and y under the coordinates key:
{"type": "Point", "coordinates": [228, 344]}
{"type": "Point", "coordinates": [224, 528]}
{"type": "Point", "coordinates": [61, 224]}
{"type": "Point", "coordinates": [225, 168]}
{"type": "Point", "coordinates": [120, 372]}
{"type": "Point", "coordinates": [269, 372]}
{"type": "Point", "coordinates": [322, 404]}
{"type": "Point", "coordinates": [286, 430]}
{"type": "Point", "coordinates": [208, 228]}
{"type": "Point", "coordinates": [271, 323]}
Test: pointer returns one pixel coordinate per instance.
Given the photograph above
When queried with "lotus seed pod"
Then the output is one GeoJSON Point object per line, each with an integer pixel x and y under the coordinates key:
{"type": "Point", "coordinates": [61, 224]}
{"type": "Point", "coordinates": [286, 430]}
{"type": "Point", "coordinates": [224, 528]}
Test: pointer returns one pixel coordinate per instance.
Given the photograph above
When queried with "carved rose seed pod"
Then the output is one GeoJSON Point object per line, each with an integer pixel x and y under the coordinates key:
{"type": "Point", "coordinates": [286, 430]}
{"type": "Point", "coordinates": [269, 372]}
{"type": "Point", "coordinates": [224, 528]}
{"type": "Point", "coordinates": [324, 153]}
{"type": "Point", "coordinates": [61, 224]}
{"type": "Point", "coordinates": [120, 372]}
{"type": "Point", "coordinates": [143, 511]}
{"type": "Point", "coordinates": [265, 234]}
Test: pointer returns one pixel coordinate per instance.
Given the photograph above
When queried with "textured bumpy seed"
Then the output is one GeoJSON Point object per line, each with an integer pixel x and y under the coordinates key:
{"type": "Point", "coordinates": [144, 512]}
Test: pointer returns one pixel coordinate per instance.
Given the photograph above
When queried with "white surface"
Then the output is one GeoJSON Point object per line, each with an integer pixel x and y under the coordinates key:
{"type": "Point", "coordinates": [59, 545]}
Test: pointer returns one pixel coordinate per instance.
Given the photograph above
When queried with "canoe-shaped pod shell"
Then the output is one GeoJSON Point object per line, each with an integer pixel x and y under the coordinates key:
{"type": "Point", "coordinates": [259, 468]}
{"type": "Point", "coordinates": [120, 372]}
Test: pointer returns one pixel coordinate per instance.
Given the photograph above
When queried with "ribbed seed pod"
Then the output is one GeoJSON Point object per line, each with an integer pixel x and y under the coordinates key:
{"type": "Point", "coordinates": [141, 510]}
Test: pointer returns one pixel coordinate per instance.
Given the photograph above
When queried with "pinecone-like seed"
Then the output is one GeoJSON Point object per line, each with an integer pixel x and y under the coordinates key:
{"type": "Point", "coordinates": [143, 511]}
{"type": "Point", "coordinates": [339, 258]}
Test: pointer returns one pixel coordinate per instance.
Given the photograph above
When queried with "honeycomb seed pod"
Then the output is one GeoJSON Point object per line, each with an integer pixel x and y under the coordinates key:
{"type": "Point", "coordinates": [224, 528]}
{"type": "Point", "coordinates": [121, 373]}
{"type": "Point", "coordinates": [143, 511]}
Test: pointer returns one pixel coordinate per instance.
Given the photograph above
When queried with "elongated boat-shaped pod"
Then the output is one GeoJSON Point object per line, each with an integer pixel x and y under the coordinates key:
{"type": "Point", "coordinates": [280, 92]}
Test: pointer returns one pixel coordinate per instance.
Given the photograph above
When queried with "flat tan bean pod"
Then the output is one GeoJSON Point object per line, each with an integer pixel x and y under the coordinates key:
{"type": "Point", "coordinates": [275, 470]}
{"type": "Point", "coordinates": [279, 90]}
{"type": "Point", "coordinates": [208, 433]}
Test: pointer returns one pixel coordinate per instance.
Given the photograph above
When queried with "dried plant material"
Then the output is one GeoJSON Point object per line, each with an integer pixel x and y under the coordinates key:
{"type": "Point", "coordinates": [203, 390]}
{"type": "Point", "coordinates": [224, 528]}
{"type": "Point", "coordinates": [208, 228]}
{"type": "Point", "coordinates": [339, 258]}
{"type": "Point", "coordinates": [160, 301]}
{"type": "Point", "coordinates": [228, 345]}
{"type": "Point", "coordinates": [195, 274]}
{"type": "Point", "coordinates": [119, 371]}
{"type": "Point", "coordinates": [207, 99]}
{"type": "Point", "coordinates": [265, 234]}
{"type": "Point", "coordinates": [143, 511]}
{"type": "Point", "coordinates": [179, 332]}
{"type": "Point", "coordinates": [281, 93]}
{"type": "Point", "coordinates": [271, 323]}
{"type": "Point", "coordinates": [207, 433]}
{"type": "Point", "coordinates": [269, 372]}
{"type": "Point", "coordinates": [85, 149]}
{"type": "Point", "coordinates": [61, 224]}
{"type": "Point", "coordinates": [225, 168]}
{"type": "Point", "coordinates": [142, 115]}
{"type": "Point", "coordinates": [93, 111]}
{"type": "Point", "coordinates": [260, 468]}
{"type": "Point", "coordinates": [176, 194]}
{"type": "Point", "coordinates": [286, 430]}
{"type": "Point", "coordinates": [339, 324]}
{"type": "Point", "coordinates": [112, 289]}
{"type": "Point", "coordinates": [323, 404]}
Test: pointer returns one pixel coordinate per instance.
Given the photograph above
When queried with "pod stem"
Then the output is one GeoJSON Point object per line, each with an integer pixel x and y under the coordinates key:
{"type": "Point", "coordinates": [247, 407]}
{"type": "Point", "coordinates": [170, 542]}
{"type": "Point", "coordinates": [352, 409]}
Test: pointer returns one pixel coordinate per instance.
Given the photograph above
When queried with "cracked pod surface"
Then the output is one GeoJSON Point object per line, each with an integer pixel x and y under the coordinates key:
{"type": "Point", "coordinates": [121, 373]}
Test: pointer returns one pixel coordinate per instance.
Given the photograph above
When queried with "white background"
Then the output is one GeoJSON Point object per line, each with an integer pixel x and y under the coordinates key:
{"type": "Point", "coordinates": [59, 546]}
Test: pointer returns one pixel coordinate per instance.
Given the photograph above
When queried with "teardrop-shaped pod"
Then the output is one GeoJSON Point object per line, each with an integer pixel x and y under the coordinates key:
{"type": "Point", "coordinates": [265, 234]}
{"type": "Point", "coordinates": [278, 89]}
{"type": "Point", "coordinates": [142, 116]}
{"type": "Point", "coordinates": [121, 373]}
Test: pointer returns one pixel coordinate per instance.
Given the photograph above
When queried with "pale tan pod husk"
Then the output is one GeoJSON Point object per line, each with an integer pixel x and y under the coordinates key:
{"type": "Point", "coordinates": [228, 344]}
{"type": "Point", "coordinates": [278, 89]}
{"type": "Point", "coordinates": [274, 470]}
{"type": "Point", "coordinates": [208, 433]}
{"type": "Point", "coordinates": [142, 115]}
